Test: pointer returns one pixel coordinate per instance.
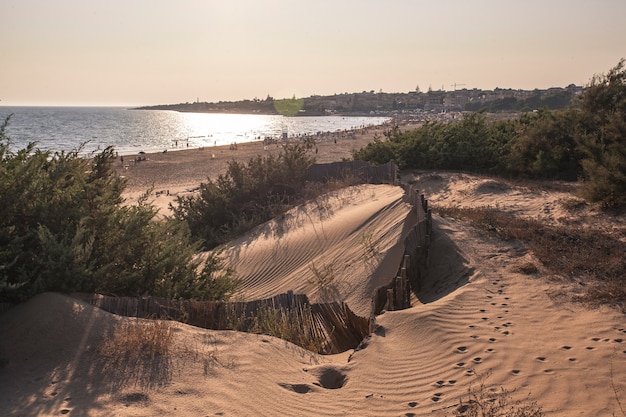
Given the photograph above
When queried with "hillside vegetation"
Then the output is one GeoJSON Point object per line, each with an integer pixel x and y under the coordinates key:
{"type": "Point", "coordinates": [587, 141]}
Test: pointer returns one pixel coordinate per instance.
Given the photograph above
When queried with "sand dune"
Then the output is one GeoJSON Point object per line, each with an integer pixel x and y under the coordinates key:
{"type": "Point", "coordinates": [351, 236]}
{"type": "Point", "coordinates": [475, 319]}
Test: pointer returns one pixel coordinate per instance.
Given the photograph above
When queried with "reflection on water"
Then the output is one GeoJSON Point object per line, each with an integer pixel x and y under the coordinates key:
{"type": "Point", "coordinates": [131, 131]}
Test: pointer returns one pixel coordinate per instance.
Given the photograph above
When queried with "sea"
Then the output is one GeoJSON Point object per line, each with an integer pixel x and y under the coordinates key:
{"type": "Point", "coordinates": [128, 131]}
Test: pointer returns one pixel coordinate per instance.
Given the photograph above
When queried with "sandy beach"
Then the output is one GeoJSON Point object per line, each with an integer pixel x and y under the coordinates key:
{"type": "Point", "coordinates": [478, 318]}
{"type": "Point", "coordinates": [181, 171]}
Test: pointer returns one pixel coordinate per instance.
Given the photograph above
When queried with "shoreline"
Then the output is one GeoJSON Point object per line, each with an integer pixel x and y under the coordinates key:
{"type": "Point", "coordinates": [180, 172]}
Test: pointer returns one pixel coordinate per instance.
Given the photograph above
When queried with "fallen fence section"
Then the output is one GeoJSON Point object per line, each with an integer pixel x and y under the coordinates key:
{"type": "Point", "coordinates": [326, 328]}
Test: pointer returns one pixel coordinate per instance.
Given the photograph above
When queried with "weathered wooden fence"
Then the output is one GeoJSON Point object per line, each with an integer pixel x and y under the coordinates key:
{"type": "Point", "coordinates": [326, 327]}
{"type": "Point", "coordinates": [357, 171]}
{"type": "Point", "coordinates": [397, 294]}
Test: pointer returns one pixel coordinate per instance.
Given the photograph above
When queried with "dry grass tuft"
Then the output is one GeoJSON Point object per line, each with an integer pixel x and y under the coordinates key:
{"type": "Point", "coordinates": [139, 338]}
{"type": "Point", "coordinates": [486, 402]}
{"type": "Point", "coordinates": [527, 268]}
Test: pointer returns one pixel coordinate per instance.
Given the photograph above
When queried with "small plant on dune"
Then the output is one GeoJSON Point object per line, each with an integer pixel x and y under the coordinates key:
{"type": "Point", "coordinates": [485, 402]}
{"type": "Point", "coordinates": [370, 247]}
{"type": "Point", "coordinates": [137, 352]}
{"type": "Point", "coordinates": [324, 280]}
{"type": "Point", "coordinates": [615, 390]}
{"type": "Point", "coordinates": [137, 339]}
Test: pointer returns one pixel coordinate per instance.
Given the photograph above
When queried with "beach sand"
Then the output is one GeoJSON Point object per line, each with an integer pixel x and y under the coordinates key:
{"type": "Point", "coordinates": [179, 172]}
{"type": "Point", "coordinates": [477, 319]}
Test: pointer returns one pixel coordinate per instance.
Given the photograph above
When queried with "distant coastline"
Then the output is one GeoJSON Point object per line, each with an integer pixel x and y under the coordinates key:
{"type": "Point", "coordinates": [371, 103]}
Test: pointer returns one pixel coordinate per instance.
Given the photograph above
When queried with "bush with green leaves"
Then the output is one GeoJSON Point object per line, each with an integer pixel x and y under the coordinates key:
{"type": "Point", "coordinates": [247, 195]}
{"type": "Point", "coordinates": [586, 141]}
{"type": "Point", "coordinates": [63, 228]}
{"type": "Point", "coordinates": [601, 136]}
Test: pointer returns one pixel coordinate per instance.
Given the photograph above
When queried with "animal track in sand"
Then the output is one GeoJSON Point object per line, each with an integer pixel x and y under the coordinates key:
{"type": "Point", "coordinates": [541, 358]}
{"type": "Point", "coordinates": [461, 349]}
{"type": "Point", "coordinates": [297, 388]}
{"type": "Point", "coordinates": [548, 371]}
{"type": "Point", "coordinates": [460, 364]}
{"type": "Point", "coordinates": [492, 339]}
{"type": "Point", "coordinates": [413, 404]}
{"type": "Point", "coordinates": [590, 348]}
{"type": "Point", "coordinates": [516, 371]}
{"type": "Point", "coordinates": [437, 396]}
{"type": "Point", "coordinates": [566, 347]}
{"type": "Point", "coordinates": [490, 350]}
{"type": "Point", "coordinates": [573, 360]}
{"type": "Point", "coordinates": [477, 360]}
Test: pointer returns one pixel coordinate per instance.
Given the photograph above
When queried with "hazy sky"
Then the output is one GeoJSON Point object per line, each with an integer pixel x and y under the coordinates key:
{"type": "Point", "coordinates": [135, 52]}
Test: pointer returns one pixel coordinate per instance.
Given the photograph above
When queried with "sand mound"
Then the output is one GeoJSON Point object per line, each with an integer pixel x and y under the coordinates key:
{"type": "Point", "coordinates": [339, 247]}
{"type": "Point", "coordinates": [477, 317]}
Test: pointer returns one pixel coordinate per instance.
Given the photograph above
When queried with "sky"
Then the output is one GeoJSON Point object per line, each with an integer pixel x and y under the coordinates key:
{"type": "Point", "coordinates": [147, 52]}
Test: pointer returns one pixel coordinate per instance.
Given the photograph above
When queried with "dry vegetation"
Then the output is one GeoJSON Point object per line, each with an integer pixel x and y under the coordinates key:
{"type": "Point", "coordinates": [592, 258]}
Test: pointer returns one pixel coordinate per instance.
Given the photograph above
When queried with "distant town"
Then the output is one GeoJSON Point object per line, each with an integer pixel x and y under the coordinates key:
{"type": "Point", "coordinates": [379, 103]}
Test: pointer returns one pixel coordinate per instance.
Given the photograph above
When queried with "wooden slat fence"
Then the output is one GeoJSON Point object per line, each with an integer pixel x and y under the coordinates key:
{"type": "Point", "coordinates": [328, 328]}
{"type": "Point", "coordinates": [355, 171]}
{"type": "Point", "coordinates": [397, 294]}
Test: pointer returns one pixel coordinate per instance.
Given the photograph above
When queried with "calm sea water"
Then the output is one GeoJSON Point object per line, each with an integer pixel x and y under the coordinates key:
{"type": "Point", "coordinates": [132, 131]}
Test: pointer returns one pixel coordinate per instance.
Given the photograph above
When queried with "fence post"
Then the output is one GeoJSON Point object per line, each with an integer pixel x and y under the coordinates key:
{"type": "Point", "coordinates": [390, 306]}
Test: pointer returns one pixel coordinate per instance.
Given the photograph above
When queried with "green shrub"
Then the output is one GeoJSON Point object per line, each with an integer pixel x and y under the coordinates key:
{"type": "Point", "coordinates": [63, 229]}
{"type": "Point", "coordinates": [247, 195]}
{"type": "Point", "coordinates": [601, 136]}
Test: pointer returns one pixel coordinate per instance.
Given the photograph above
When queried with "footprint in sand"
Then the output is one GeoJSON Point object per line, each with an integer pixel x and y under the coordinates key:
{"type": "Point", "coordinates": [474, 336]}
{"type": "Point", "coordinates": [436, 397]}
{"type": "Point", "coordinates": [590, 348]}
{"type": "Point", "coordinates": [541, 358]}
{"type": "Point", "coordinates": [461, 349]}
{"type": "Point", "coordinates": [413, 404]}
{"type": "Point", "coordinates": [618, 340]}
{"type": "Point", "coordinates": [573, 360]}
{"type": "Point", "coordinates": [478, 360]}
{"type": "Point", "coordinates": [490, 350]}
{"type": "Point", "coordinates": [516, 372]}
{"type": "Point", "coordinates": [469, 372]}
{"type": "Point", "coordinates": [566, 347]}
{"type": "Point", "coordinates": [548, 371]}
{"type": "Point", "coordinates": [492, 339]}
{"type": "Point", "coordinates": [460, 364]}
